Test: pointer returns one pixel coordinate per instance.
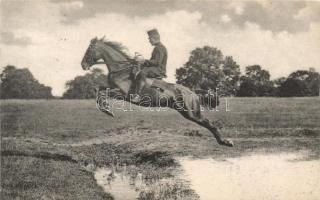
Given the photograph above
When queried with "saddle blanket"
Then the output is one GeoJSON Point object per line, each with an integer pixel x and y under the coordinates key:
{"type": "Point", "coordinates": [156, 83]}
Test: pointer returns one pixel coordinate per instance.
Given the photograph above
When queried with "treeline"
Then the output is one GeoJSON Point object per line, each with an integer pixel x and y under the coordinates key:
{"type": "Point", "coordinates": [207, 68]}
{"type": "Point", "coordinates": [256, 82]}
{"type": "Point", "coordinates": [83, 87]}
{"type": "Point", "coordinates": [20, 84]}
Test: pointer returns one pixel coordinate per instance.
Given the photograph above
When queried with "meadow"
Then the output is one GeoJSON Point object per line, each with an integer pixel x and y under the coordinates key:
{"type": "Point", "coordinates": [48, 147]}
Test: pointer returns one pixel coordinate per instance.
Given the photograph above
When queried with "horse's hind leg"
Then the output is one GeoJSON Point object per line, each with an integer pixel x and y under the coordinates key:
{"type": "Point", "coordinates": [196, 117]}
{"type": "Point", "coordinates": [206, 123]}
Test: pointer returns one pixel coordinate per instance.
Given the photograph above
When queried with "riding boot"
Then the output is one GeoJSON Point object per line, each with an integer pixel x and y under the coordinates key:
{"type": "Point", "coordinates": [139, 84]}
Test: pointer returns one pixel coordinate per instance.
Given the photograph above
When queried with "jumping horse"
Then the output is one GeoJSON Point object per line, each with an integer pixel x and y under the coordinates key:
{"type": "Point", "coordinates": [156, 93]}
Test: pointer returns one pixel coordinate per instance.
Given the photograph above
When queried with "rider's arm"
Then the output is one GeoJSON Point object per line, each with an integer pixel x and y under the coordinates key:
{"type": "Point", "coordinates": [156, 58]}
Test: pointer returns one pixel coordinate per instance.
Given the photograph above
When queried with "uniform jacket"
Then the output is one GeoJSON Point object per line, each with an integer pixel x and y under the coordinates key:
{"type": "Point", "coordinates": [158, 58]}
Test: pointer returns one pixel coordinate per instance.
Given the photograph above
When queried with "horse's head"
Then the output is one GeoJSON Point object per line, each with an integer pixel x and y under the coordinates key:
{"type": "Point", "coordinates": [92, 54]}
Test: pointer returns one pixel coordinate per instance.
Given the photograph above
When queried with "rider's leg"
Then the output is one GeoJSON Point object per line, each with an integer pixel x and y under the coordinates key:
{"type": "Point", "coordinates": [140, 80]}
{"type": "Point", "coordinates": [139, 83]}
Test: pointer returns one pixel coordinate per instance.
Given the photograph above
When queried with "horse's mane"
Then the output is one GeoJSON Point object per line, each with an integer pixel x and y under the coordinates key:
{"type": "Point", "coordinates": [118, 47]}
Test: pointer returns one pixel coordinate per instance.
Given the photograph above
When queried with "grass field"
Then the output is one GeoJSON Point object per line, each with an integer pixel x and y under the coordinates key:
{"type": "Point", "coordinates": [47, 146]}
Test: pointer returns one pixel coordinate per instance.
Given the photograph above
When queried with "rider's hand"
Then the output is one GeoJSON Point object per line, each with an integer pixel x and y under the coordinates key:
{"type": "Point", "coordinates": [139, 58]}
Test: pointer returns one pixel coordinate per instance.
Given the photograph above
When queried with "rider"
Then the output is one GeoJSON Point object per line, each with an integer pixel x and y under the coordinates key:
{"type": "Point", "coordinates": [153, 68]}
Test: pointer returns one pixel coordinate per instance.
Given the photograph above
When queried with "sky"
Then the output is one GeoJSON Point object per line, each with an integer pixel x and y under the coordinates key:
{"type": "Point", "coordinates": [50, 37]}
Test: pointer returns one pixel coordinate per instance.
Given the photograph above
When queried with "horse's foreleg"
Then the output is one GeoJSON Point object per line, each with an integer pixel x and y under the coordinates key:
{"type": "Point", "coordinates": [102, 102]}
{"type": "Point", "coordinates": [207, 124]}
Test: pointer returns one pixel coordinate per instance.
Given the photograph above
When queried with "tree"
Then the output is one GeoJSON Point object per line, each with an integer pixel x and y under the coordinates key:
{"type": "Point", "coordinates": [208, 69]}
{"type": "Point", "coordinates": [294, 88]}
{"type": "Point", "coordinates": [247, 88]}
{"type": "Point", "coordinates": [301, 83]}
{"type": "Point", "coordinates": [277, 84]}
{"type": "Point", "coordinates": [82, 87]}
{"type": "Point", "coordinates": [279, 81]}
{"type": "Point", "coordinates": [232, 72]}
{"type": "Point", "coordinates": [256, 82]}
{"type": "Point", "coordinates": [257, 74]}
{"type": "Point", "coordinates": [311, 78]}
{"type": "Point", "coordinates": [20, 84]}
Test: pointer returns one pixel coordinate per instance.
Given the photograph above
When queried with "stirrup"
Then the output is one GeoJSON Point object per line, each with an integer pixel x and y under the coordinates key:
{"type": "Point", "coordinates": [136, 98]}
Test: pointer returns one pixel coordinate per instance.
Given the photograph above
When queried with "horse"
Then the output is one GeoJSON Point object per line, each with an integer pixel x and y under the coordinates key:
{"type": "Point", "coordinates": [120, 76]}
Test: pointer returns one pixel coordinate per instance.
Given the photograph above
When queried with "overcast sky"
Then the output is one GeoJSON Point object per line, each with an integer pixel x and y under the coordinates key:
{"type": "Point", "coordinates": [50, 37]}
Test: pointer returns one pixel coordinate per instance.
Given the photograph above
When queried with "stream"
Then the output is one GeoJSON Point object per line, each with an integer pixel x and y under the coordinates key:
{"type": "Point", "coordinates": [284, 176]}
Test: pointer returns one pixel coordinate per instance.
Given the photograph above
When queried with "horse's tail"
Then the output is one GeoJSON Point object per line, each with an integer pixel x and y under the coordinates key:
{"type": "Point", "coordinates": [210, 99]}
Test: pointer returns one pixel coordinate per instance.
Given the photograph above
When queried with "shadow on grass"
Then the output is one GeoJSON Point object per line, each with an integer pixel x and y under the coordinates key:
{"type": "Point", "coordinates": [42, 155]}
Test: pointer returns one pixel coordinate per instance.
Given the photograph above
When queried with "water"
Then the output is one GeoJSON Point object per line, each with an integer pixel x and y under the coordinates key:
{"type": "Point", "coordinates": [119, 184]}
{"type": "Point", "coordinates": [267, 177]}
{"type": "Point", "coordinates": [127, 182]}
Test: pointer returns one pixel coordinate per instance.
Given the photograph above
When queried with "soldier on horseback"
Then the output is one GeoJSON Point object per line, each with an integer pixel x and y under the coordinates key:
{"type": "Point", "coordinates": [119, 65]}
{"type": "Point", "coordinates": [153, 68]}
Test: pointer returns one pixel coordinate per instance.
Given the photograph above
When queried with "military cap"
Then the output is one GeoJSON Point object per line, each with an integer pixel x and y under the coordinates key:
{"type": "Point", "coordinates": [153, 32]}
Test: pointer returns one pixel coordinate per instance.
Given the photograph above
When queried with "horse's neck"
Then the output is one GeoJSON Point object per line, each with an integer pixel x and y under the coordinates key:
{"type": "Point", "coordinates": [119, 70]}
{"type": "Point", "coordinates": [114, 63]}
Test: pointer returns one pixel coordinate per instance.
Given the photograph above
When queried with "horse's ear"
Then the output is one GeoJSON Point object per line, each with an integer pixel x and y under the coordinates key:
{"type": "Point", "coordinates": [102, 39]}
{"type": "Point", "coordinates": [94, 39]}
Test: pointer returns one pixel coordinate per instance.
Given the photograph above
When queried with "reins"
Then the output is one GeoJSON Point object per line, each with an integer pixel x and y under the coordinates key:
{"type": "Point", "coordinates": [118, 62]}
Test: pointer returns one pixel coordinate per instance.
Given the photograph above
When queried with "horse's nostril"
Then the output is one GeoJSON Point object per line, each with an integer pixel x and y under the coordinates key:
{"type": "Point", "coordinates": [84, 65]}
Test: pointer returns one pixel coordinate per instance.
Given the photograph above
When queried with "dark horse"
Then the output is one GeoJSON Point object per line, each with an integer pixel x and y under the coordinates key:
{"type": "Point", "coordinates": [156, 93]}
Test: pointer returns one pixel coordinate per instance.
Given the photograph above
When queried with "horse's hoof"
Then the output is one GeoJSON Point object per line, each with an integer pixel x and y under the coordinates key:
{"type": "Point", "coordinates": [227, 143]}
{"type": "Point", "coordinates": [109, 113]}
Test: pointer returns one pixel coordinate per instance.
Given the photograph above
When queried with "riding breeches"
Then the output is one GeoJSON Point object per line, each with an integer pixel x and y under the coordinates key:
{"type": "Point", "coordinates": [152, 72]}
